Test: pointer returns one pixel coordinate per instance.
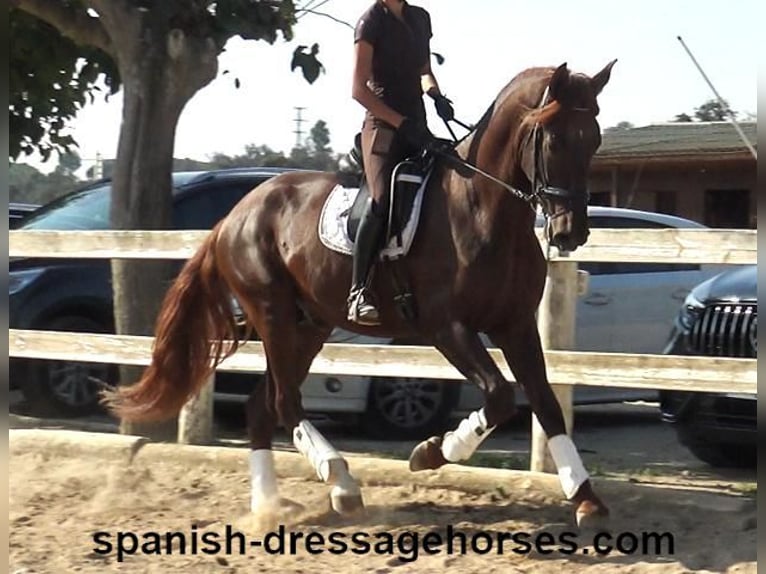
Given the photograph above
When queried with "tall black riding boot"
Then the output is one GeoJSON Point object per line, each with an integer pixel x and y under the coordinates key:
{"type": "Point", "coordinates": [361, 310]}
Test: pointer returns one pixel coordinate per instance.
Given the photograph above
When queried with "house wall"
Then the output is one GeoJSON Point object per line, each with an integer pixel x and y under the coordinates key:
{"type": "Point", "coordinates": [634, 185]}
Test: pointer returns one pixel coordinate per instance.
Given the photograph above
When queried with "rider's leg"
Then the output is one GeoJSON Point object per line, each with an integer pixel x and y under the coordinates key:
{"type": "Point", "coordinates": [361, 308]}
{"type": "Point", "coordinates": [379, 148]}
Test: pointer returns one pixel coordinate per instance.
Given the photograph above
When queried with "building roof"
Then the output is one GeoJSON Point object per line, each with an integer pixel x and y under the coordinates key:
{"type": "Point", "coordinates": [677, 140]}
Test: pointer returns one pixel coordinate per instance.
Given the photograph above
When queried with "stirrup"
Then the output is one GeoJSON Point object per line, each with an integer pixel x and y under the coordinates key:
{"type": "Point", "coordinates": [361, 310]}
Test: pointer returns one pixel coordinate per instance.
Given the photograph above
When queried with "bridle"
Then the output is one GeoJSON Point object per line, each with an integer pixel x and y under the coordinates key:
{"type": "Point", "coordinates": [542, 191]}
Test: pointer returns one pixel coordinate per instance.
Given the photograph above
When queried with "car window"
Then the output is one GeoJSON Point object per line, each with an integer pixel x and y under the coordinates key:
{"type": "Point", "coordinates": [204, 207]}
{"type": "Point", "coordinates": [617, 268]}
{"type": "Point", "coordinates": [85, 209]}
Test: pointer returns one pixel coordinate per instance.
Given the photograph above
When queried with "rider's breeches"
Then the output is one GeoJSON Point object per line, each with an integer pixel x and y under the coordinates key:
{"type": "Point", "coordinates": [381, 150]}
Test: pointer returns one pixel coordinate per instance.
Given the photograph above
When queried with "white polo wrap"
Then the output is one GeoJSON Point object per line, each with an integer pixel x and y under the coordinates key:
{"type": "Point", "coordinates": [311, 444]}
{"type": "Point", "coordinates": [263, 479]}
{"type": "Point", "coordinates": [571, 471]}
{"type": "Point", "coordinates": [461, 443]}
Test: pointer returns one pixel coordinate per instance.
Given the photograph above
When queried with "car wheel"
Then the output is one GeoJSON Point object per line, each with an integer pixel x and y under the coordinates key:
{"type": "Point", "coordinates": [409, 408]}
{"type": "Point", "coordinates": [69, 389]}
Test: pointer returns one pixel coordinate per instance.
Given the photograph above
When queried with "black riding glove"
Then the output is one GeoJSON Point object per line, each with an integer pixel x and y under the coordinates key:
{"type": "Point", "coordinates": [444, 107]}
{"type": "Point", "coordinates": [415, 134]}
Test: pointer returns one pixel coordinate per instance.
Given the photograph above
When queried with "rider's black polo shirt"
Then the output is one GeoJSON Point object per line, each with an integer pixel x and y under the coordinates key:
{"type": "Point", "coordinates": [400, 51]}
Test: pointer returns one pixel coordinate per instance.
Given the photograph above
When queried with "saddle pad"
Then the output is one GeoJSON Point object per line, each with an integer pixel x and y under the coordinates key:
{"type": "Point", "coordinates": [333, 223]}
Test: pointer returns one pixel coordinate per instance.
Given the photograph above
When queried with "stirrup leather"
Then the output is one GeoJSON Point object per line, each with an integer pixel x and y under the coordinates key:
{"type": "Point", "coordinates": [360, 308]}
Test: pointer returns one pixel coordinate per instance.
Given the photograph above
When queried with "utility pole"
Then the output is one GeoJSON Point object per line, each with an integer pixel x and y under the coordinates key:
{"type": "Point", "coordinates": [298, 123]}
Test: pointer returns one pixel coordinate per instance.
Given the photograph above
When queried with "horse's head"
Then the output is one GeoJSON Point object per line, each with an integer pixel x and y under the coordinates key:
{"type": "Point", "coordinates": [562, 137]}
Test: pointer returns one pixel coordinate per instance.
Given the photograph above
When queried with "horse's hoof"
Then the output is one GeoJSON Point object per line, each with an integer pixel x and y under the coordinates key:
{"type": "Point", "coordinates": [346, 500]}
{"type": "Point", "coordinates": [592, 516]}
{"type": "Point", "coordinates": [427, 455]}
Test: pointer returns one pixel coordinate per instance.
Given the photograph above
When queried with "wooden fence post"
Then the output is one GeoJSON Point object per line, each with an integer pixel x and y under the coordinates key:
{"type": "Point", "coordinates": [556, 323]}
{"type": "Point", "coordinates": [195, 422]}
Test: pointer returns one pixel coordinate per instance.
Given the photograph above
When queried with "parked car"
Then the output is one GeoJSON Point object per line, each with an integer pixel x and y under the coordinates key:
{"type": "Point", "coordinates": [75, 295]}
{"type": "Point", "coordinates": [17, 211]}
{"type": "Point", "coordinates": [719, 318]}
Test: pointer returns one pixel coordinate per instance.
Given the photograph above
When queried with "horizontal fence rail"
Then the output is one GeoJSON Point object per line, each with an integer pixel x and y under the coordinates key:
{"type": "Point", "coordinates": [555, 320]}
{"type": "Point", "coordinates": [564, 367]}
{"type": "Point", "coordinates": [714, 246]}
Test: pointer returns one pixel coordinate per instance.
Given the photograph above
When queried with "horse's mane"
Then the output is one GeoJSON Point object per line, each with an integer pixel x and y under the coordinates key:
{"type": "Point", "coordinates": [545, 114]}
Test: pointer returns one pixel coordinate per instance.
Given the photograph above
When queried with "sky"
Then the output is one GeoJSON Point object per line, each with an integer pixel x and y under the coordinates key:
{"type": "Point", "coordinates": [485, 43]}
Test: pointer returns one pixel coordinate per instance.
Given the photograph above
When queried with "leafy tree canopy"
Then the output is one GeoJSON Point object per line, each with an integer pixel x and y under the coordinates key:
{"type": "Point", "coordinates": [56, 69]}
{"type": "Point", "coordinates": [50, 78]}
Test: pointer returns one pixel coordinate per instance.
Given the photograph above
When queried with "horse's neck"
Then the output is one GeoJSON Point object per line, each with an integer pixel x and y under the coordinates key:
{"type": "Point", "coordinates": [494, 147]}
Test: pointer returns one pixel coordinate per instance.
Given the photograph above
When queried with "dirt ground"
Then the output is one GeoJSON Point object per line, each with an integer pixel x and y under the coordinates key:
{"type": "Point", "coordinates": [62, 493]}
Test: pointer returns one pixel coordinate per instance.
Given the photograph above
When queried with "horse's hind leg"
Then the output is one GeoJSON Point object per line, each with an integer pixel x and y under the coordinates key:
{"type": "Point", "coordinates": [290, 348]}
{"type": "Point", "coordinates": [261, 423]}
{"type": "Point", "coordinates": [465, 350]}
{"type": "Point", "coordinates": [525, 357]}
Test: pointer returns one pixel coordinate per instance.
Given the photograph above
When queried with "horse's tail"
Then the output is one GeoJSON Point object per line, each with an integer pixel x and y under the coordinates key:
{"type": "Point", "coordinates": [196, 330]}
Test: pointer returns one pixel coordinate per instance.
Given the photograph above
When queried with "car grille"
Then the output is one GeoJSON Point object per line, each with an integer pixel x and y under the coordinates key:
{"type": "Point", "coordinates": [726, 330]}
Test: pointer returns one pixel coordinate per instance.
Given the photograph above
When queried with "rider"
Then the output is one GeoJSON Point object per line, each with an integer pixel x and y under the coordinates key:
{"type": "Point", "coordinates": [392, 70]}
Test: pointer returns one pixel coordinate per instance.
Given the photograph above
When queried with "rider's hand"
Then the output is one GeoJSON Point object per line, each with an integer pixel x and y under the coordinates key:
{"type": "Point", "coordinates": [415, 134]}
{"type": "Point", "coordinates": [444, 107]}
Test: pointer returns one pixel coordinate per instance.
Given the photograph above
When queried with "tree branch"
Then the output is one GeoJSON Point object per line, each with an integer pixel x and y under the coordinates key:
{"type": "Point", "coordinates": [74, 24]}
{"type": "Point", "coordinates": [325, 15]}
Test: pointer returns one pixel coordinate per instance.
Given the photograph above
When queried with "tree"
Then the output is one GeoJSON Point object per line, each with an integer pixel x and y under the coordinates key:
{"type": "Point", "coordinates": [714, 111]}
{"type": "Point", "coordinates": [26, 184]}
{"type": "Point", "coordinates": [51, 77]}
{"type": "Point", "coordinates": [620, 127]}
{"type": "Point", "coordinates": [682, 118]}
{"type": "Point", "coordinates": [69, 162]}
{"type": "Point", "coordinates": [164, 52]}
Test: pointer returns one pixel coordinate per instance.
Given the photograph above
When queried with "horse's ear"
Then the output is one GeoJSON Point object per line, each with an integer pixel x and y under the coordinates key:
{"type": "Point", "coordinates": [558, 84]}
{"type": "Point", "coordinates": [599, 80]}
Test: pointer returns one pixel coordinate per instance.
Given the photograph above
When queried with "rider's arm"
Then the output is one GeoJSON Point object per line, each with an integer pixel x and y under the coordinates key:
{"type": "Point", "coordinates": [361, 92]}
{"type": "Point", "coordinates": [428, 81]}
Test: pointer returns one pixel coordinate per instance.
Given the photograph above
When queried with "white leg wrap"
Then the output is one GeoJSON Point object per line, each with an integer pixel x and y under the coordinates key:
{"type": "Point", "coordinates": [572, 473]}
{"type": "Point", "coordinates": [461, 443]}
{"type": "Point", "coordinates": [263, 480]}
{"type": "Point", "coordinates": [311, 444]}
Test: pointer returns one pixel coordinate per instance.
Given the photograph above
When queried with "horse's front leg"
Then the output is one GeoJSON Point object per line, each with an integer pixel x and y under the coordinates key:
{"type": "Point", "coordinates": [464, 349]}
{"type": "Point", "coordinates": [523, 352]}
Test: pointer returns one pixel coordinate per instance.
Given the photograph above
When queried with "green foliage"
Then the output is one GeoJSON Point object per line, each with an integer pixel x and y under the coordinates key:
{"type": "Point", "coordinates": [50, 79]}
{"type": "Point", "coordinates": [307, 62]}
{"type": "Point", "coordinates": [28, 185]}
{"type": "Point", "coordinates": [710, 111]}
{"type": "Point", "coordinates": [252, 20]}
{"type": "Point", "coordinates": [52, 76]}
{"type": "Point", "coordinates": [620, 127]}
{"type": "Point", "coordinates": [713, 111]}
{"type": "Point", "coordinates": [316, 154]}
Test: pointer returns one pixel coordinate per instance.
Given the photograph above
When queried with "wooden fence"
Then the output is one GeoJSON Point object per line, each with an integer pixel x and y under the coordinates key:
{"type": "Point", "coordinates": [556, 318]}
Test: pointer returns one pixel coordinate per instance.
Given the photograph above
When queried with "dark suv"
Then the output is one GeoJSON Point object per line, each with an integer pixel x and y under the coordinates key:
{"type": "Point", "coordinates": [76, 295]}
{"type": "Point", "coordinates": [719, 318]}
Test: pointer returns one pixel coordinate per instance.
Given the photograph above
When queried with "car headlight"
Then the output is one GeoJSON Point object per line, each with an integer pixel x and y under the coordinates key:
{"type": "Point", "coordinates": [18, 280]}
{"type": "Point", "coordinates": [691, 310]}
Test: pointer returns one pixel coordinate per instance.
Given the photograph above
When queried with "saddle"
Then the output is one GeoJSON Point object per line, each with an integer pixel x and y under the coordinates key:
{"type": "Point", "coordinates": [345, 205]}
{"type": "Point", "coordinates": [343, 210]}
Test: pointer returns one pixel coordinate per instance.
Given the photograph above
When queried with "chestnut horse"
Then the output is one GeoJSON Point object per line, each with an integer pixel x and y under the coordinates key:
{"type": "Point", "coordinates": [475, 266]}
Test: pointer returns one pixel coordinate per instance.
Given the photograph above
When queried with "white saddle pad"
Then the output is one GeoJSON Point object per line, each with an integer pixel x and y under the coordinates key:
{"type": "Point", "coordinates": [333, 223]}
